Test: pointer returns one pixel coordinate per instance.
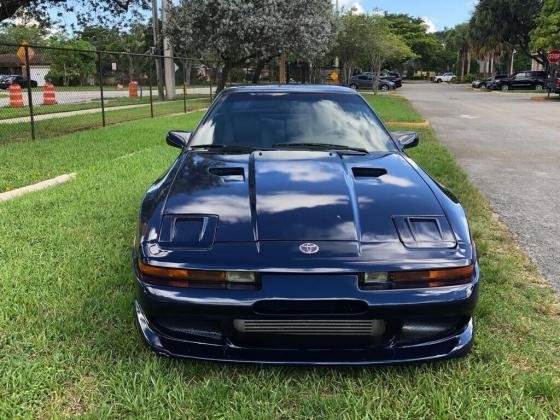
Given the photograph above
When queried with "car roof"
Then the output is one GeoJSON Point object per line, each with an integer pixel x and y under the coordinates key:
{"type": "Point", "coordinates": [290, 88]}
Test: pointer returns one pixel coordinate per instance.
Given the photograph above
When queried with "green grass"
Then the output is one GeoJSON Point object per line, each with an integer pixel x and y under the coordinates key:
{"type": "Point", "coordinates": [393, 108]}
{"type": "Point", "coordinates": [7, 112]}
{"type": "Point", "coordinates": [27, 163]}
{"type": "Point", "coordinates": [69, 344]}
{"type": "Point", "coordinates": [20, 132]}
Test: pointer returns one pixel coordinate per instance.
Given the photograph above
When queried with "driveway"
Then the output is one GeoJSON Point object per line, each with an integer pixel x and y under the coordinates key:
{"type": "Point", "coordinates": [510, 147]}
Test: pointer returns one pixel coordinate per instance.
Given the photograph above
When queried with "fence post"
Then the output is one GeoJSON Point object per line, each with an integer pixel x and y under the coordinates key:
{"type": "Point", "coordinates": [150, 84]}
{"type": "Point", "coordinates": [185, 85]}
{"type": "Point", "coordinates": [29, 93]}
{"type": "Point", "coordinates": [100, 75]}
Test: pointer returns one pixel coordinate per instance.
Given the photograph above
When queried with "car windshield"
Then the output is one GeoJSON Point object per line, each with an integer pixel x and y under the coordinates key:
{"type": "Point", "coordinates": [267, 120]}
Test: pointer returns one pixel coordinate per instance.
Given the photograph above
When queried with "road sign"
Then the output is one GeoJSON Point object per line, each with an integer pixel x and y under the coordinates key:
{"type": "Point", "coordinates": [176, 67]}
{"type": "Point", "coordinates": [21, 52]}
{"type": "Point", "coordinates": [554, 56]}
{"type": "Point", "coordinates": [114, 66]}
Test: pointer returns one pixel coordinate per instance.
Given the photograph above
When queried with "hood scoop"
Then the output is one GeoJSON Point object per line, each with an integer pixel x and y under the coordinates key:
{"type": "Point", "coordinates": [228, 173]}
{"type": "Point", "coordinates": [368, 172]}
{"type": "Point", "coordinates": [425, 231]}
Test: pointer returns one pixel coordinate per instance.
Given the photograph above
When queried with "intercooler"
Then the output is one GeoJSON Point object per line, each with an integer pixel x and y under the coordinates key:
{"type": "Point", "coordinates": [325, 327]}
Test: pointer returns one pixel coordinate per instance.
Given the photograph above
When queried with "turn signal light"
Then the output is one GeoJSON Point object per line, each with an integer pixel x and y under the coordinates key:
{"type": "Point", "coordinates": [433, 278]}
{"type": "Point", "coordinates": [180, 277]}
{"type": "Point", "coordinates": [424, 278]}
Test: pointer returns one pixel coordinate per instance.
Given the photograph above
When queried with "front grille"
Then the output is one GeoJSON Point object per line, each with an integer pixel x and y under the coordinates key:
{"type": "Point", "coordinates": [325, 327]}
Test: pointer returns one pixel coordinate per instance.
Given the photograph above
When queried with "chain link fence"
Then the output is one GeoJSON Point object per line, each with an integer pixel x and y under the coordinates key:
{"type": "Point", "coordinates": [50, 91]}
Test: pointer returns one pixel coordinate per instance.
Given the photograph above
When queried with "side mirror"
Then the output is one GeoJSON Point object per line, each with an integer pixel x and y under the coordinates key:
{"type": "Point", "coordinates": [178, 138]}
{"type": "Point", "coordinates": [406, 139]}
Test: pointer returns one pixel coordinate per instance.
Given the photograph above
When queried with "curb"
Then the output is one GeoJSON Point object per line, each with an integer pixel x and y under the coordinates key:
{"type": "Point", "coordinates": [423, 124]}
{"type": "Point", "coordinates": [9, 195]}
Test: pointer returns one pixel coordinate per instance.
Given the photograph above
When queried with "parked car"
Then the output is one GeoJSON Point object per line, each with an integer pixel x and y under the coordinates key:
{"type": "Point", "coordinates": [365, 81]}
{"type": "Point", "coordinates": [520, 80]}
{"type": "Point", "coordinates": [294, 229]}
{"type": "Point", "coordinates": [482, 83]}
{"type": "Point", "coordinates": [16, 79]}
{"type": "Point", "coordinates": [445, 77]}
{"type": "Point", "coordinates": [394, 77]}
{"type": "Point", "coordinates": [554, 85]}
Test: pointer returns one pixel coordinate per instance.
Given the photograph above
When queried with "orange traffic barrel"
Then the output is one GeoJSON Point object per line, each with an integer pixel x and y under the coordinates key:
{"type": "Point", "coordinates": [49, 97]}
{"type": "Point", "coordinates": [133, 90]}
{"type": "Point", "coordinates": [16, 97]}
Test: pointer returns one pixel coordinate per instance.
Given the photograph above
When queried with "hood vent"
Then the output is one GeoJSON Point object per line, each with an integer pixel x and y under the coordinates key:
{"type": "Point", "coordinates": [368, 172]}
{"type": "Point", "coordinates": [228, 174]}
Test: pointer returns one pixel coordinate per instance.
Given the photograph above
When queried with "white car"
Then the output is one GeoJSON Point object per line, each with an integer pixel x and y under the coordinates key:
{"type": "Point", "coordinates": [445, 77]}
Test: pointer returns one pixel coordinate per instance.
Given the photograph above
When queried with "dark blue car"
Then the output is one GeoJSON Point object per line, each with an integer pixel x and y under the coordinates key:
{"type": "Point", "coordinates": [294, 229]}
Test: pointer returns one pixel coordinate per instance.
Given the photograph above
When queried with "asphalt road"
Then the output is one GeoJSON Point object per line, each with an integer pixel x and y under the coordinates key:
{"type": "Point", "coordinates": [510, 147]}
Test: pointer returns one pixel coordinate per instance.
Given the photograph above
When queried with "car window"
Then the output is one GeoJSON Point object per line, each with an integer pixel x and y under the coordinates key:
{"type": "Point", "coordinates": [260, 120]}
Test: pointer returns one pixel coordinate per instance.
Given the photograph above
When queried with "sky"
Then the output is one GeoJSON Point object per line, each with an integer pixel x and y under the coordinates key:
{"type": "Point", "coordinates": [437, 14]}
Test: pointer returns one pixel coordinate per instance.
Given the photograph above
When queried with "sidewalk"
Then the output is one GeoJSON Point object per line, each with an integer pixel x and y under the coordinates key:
{"type": "Point", "coordinates": [54, 115]}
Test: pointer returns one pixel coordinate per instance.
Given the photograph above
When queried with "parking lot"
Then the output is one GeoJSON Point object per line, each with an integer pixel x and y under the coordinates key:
{"type": "Point", "coordinates": [509, 144]}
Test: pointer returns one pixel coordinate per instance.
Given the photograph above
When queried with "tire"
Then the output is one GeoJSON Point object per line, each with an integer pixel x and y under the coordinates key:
{"type": "Point", "coordinates": [384, 88]}
{"type": "Point", "coordinates": [439, 81]}
{"type": "Point", "coordinates": [505, 88]}
{"type": "Point", "coordinates": [354, 86]}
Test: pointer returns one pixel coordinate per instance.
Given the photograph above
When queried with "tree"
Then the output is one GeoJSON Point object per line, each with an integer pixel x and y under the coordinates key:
{"type": "Point", "coordinates": [72, 67]}
{"type": "Point", "coordinates": [414, 32]}
{"type": "Point", "coordinates": [383, 46]}
{"type": "Point", "coordinates": [546, 34]}
{"type": "Point", "coordinates": [232, 32]}
{"type": "Point", "coordinates": [508, 22]}
{"type": "Point", "coordinates": [350, 43]}
{"type": "Point", "coordinates": [86, 11]}
{"type": "Point", "coordinates": [137, 39]}
{"type": "Point", "coordinates": [16, 34]}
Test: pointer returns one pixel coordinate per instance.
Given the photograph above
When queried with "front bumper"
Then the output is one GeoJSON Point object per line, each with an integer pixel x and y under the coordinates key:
{"type": "Point", "coordinates": [420, 324]}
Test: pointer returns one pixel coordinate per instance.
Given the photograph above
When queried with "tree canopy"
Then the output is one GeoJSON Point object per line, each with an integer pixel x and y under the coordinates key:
{"type": "Point", "coordinates": [546, 34]}
{"type": "Point", "coordinates": [86, 11]}
{"type": "Point", "coordinates": [508, 22]}
{"type": "Point", "coordinates": [235, 31]}
{"type": "Point", "coordinates": [367, 41]}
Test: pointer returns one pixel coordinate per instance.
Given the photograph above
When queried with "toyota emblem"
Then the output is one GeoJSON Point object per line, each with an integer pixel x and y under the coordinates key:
{"type": "Point", "coordinates": [309, 248]}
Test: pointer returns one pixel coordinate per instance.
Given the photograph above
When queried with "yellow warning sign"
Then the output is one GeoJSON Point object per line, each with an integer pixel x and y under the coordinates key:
{"type": "Point", "coordinates": [21, 52]}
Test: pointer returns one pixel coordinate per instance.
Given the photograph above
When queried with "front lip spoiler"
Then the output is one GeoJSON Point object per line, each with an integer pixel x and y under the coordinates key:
{"type": "Point", "coordinates": [456, 346]}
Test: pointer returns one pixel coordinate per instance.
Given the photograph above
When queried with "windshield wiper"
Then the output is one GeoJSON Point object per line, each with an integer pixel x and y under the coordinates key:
{"type": "Point", "coordinates": [323, 146]}
{"type": "Point", "coordinates": [226, 148]}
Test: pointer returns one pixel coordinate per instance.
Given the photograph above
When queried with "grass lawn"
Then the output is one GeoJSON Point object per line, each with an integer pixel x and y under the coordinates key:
{"type": "Point", "coordinates": [69, 345]}
{"type": "Point", "coordinates": [20, 132]}
{"type": "Point", "coordinates": [393, 108]}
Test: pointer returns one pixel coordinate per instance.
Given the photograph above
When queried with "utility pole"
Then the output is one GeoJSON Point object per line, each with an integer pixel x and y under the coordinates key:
{"type": "Point", "coordinates": [168, 64]}
{"type": "Point", "coordinates": [155, 28]}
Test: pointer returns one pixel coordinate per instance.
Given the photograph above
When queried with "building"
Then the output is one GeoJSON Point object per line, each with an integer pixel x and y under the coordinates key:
{"type": "Point", "coordinates": [39, 66]}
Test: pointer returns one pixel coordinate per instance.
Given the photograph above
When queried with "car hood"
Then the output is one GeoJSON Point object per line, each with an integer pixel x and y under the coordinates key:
{"type": "Point", "coordinates": [302, 196]}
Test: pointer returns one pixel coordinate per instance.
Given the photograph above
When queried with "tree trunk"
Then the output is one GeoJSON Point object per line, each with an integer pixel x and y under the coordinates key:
{"type": "Point", "coordinates": [462, 66]}
{"type": "Point", "coordinates": [468, 61]}
{"type": "Point", "coordinates": [282, 69]}
{"type": "Point", "coordinates": [258, 70]}
{"type": "Point", "coordinates": [223, 76]}
{"type": "Point", "coordinates": [188, 70]}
